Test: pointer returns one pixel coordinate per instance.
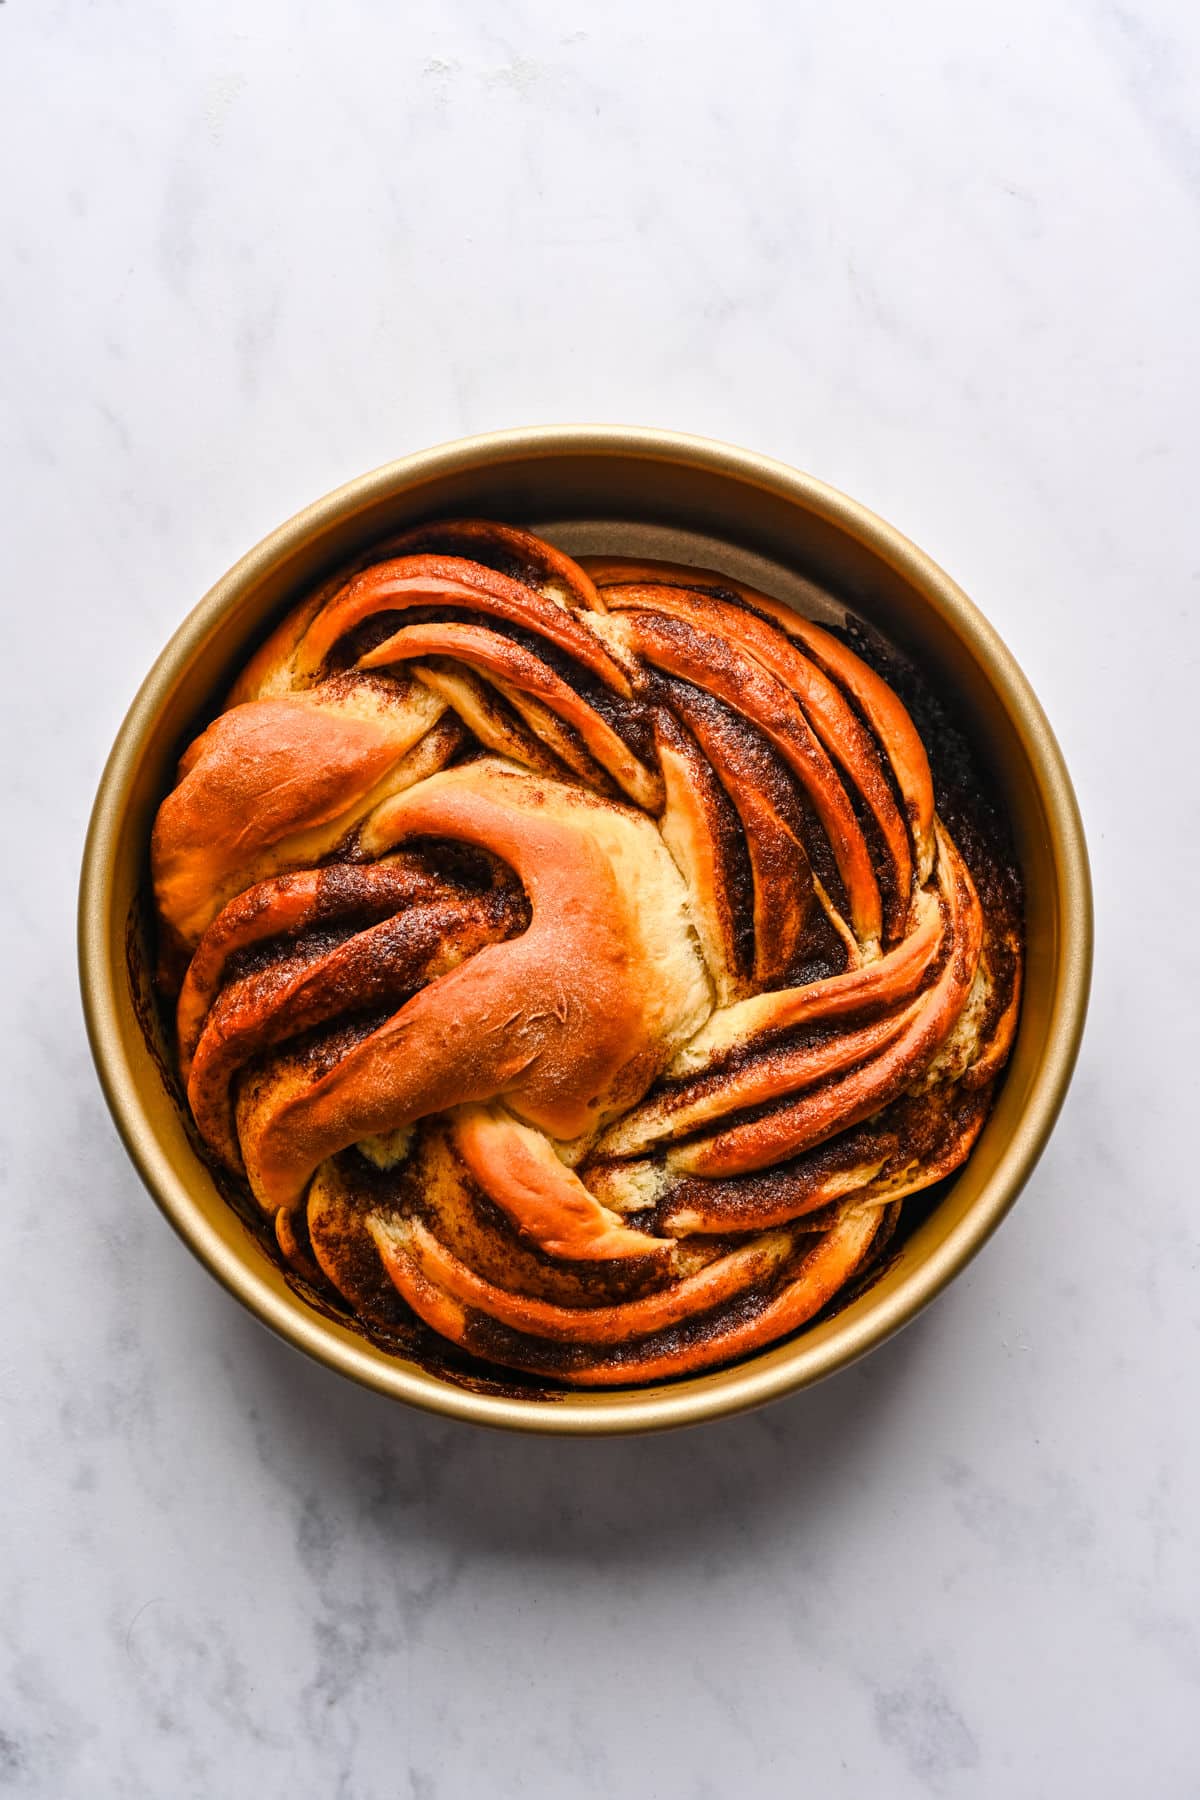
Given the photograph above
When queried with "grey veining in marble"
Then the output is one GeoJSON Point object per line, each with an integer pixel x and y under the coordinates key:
{"type": "Point", "coordinates": [947, 257]}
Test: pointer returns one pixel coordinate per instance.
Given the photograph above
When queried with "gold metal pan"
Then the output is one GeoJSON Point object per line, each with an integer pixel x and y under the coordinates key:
{"type": "Point", "coordinates": [628, 492]}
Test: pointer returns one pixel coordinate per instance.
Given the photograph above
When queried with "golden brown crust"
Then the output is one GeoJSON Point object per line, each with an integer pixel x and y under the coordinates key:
{"type": "Point", "coordinates": [450, 582]}
{"type": "Point", "coordinates": [517, 1168]}
{"type": "Point", "coordinates": [771, 827]}
{"type": "Point", "coordinates": [509, 551]}
{"type": "Point", "coordinates": [569, 1021]}
{"type": "Point", "coordinates": [572, 960]}
{"type": "Point", "coordinates": [405, 1243]}
{"type": "Point", "coordinates": [518, 668]}
{"type": "Point", "coordinates": [881, 1077]}
{"type": "Point", "coordinates": [275, 784]}
{"type": "Point", "coordinates": [714, 664]}
{"type": "Point", "coordinates": [883, 710]}
{"type": "Point", "coordinates": [832, 719]}
{"type": "Point", "coordinates": [702, 837]}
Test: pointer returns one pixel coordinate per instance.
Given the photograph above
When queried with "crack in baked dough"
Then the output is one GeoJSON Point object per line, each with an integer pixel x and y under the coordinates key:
{"type": "Point", "coordinates": [569, 955]}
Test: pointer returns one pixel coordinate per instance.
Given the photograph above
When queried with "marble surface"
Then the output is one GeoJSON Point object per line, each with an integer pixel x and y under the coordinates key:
{"type": "Point", "coordinates": [946, 257]}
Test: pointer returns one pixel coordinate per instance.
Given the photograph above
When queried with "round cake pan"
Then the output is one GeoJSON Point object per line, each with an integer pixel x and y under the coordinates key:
{"type": "Point", "coordinates": [630, 492]}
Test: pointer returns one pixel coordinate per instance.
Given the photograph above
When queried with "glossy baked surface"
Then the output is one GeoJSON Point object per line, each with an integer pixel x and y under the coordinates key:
{"type": "Point", "coordinates": [569, 955]}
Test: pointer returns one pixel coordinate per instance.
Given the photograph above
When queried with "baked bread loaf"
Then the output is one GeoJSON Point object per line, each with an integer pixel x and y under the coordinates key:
{"type": "Point", "coordinates": [569, 956]}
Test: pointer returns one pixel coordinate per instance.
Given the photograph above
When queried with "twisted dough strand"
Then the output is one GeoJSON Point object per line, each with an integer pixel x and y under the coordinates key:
{"type": "Point", "coordinates": [570, 955]}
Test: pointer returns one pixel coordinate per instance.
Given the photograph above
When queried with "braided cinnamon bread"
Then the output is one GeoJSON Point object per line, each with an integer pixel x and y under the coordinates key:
{"type": "Point", "coordinates": [570, 960]}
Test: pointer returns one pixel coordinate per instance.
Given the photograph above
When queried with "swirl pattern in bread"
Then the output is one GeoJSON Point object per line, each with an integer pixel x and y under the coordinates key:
{"type": "Point", "coordinates": [570, 956]}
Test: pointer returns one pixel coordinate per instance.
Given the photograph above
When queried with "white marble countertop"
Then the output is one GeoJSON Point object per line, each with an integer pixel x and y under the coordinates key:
{"type": "Point", "coordinates": [948, 258]}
